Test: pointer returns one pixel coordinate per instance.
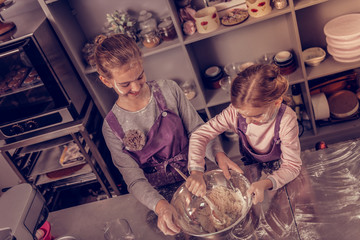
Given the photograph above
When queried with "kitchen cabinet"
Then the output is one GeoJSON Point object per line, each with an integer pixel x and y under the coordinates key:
{"type": "Point", "coordinates": [296, 27]}
{"type": "Point", "coordinates": [34, 157]}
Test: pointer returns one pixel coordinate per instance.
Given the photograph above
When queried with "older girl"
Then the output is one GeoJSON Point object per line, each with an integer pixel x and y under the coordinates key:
{"type": "Point", "coordinates": [147, 130]}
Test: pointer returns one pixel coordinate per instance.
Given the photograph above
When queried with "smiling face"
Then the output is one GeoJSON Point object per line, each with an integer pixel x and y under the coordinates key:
{"type": "Point", "coordinates": [128, 81]}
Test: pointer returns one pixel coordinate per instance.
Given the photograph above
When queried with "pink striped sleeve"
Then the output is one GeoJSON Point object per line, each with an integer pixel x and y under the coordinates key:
{"type": "Point", "coordinates": [208, 131]}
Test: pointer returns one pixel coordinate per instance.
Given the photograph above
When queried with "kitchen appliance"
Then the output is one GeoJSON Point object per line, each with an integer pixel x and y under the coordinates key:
{"type": "Point", "coordinates": [23, 212]}
{"type": "Point", "coordinates": [39, 87]}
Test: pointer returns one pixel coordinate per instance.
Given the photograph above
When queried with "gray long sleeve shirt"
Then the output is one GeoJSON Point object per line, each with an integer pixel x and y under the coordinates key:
{"type": "Point", "coordinates": [143, 120]}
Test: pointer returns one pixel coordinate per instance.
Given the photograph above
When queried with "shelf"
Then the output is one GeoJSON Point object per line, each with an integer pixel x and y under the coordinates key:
{"type": "Point", "coordinates": [295, 77]}
{"type": "Point", "coordinates": [216, 97]}
{"type": "Point", "coordinates": [146, 52]}
{"type": "Point", "coordinates": [300, 4]}
{"type": "Point", "coordinates": [224, 29]}
{"type": "Point", "coordinates": [339, 128]}
{"type": "Point", "coordinates": [22, 89]}
{"type": "Point", "coordinates": [163, 46]}
{"type": "Point", "coordinates": [295, 27]}
{"type": "Point", "coordinates": [46, 145]}
{"type": "Point", "coordinates": [44, 179]}
{"type": "Point", "coordinates": [50, 1]}
{"type": "Point", "coordinates": [49, 162]}
{"type": "Point", "coordinates": [87, 178]}
{"type": "Point", "coordinates": [331, 134]}
{"type": "Point", "coordinates": [329, 66]}
{"type": "Point", "coordinates": [219, 96]}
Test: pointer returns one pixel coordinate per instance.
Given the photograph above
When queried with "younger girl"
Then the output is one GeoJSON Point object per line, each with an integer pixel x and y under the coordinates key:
{"type": "Point", "coordinates": [267, 129]}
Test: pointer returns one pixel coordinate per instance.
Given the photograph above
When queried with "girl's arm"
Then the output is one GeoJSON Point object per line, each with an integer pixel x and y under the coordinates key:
{"type": "Point", "coordinates": [132, 174]}
{"type": "Point", "coordinates": [204, 134]}
{"type": "Point", "coordinates": [198, 141]}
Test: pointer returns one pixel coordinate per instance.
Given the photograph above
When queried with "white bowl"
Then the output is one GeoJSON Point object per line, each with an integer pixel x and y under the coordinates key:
{"type": "Point", "coordinates": [314, 56]}
{"type": "Point", "coordinates": [351, 53]}
{"type": "Point", "coordinates": [345, 27]}
{"type": "Point", "coordinates": [342, 44]}
{"type": "Point", "coordinates": [283, 56]}
{"type": "Point", "coordinates": [347, 60]}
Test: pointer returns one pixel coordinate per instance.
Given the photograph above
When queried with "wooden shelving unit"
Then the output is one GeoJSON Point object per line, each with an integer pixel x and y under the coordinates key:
{"type": "Point", "coordinates": [296, 27]}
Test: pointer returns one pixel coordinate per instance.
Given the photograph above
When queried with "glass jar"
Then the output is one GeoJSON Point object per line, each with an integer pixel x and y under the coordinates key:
{"type": "Point", "coordinates": [189, 89]}
{"type": "Point", "coordinates": [280, 4]}
{"type": "Point", "coordinates": [146, 21]}
{"type": "Point", "coordinates": [213, 75]}
{"type": "Point", "coordinates": [149, 38]}
{"type": "Point", "coordinates": [167, 30]}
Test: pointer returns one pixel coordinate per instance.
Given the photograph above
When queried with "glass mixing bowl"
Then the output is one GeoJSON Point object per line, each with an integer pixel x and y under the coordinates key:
{"type": "Point", "coordinates": [193, 217]}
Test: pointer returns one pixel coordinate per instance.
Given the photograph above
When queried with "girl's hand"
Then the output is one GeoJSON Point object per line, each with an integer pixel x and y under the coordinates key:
{"type": "Point", "coordinates": [196, 183]}
{"type": "Point", "coordinates": [166, 215]}
{"type": "Point", "coordinates": [225, 164]}
{"type": "Point", "coordinates": [257, 190]}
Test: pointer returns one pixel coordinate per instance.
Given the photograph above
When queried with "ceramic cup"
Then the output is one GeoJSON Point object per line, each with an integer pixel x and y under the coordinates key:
{"type": "Point", "coordinates": [258, 8]}
{"type": "Point", "coordinates": [207, 20]}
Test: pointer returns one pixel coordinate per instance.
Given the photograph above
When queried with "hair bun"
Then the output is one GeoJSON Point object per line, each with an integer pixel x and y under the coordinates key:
{"type": "Point", "coordinates": [99, 39]}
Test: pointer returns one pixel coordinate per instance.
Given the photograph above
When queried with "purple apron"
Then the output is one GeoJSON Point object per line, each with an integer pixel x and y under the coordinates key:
{"type": "Point", "coordinates": [249, 155]}
{"type": "Point", "coordinates": [166, 144]}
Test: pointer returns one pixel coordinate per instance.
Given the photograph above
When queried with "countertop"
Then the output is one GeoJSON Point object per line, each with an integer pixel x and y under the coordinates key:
{"type": "Point", "coordinates": [87, 221]}
{"type": "Point", "coordinates": [323, 202]}
{"type": "Point", "coordinates": [272, 218]}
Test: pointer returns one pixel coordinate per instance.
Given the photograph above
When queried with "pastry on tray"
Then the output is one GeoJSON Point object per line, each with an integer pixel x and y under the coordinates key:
{"type": "Point", "coordinates": [234, 16]}
{"type": "Point", "coordinates": [33, 73]}
{"type": "Point", "coordinates": [71, 155]}
{"type": "Point", "coordinates": [29, 79]}
{"type": "Point", "coordinates": [3, 86]}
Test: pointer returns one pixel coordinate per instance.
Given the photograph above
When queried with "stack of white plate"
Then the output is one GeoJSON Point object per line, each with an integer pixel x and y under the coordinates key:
{"type": "Point", "coordinates": [343, 37]}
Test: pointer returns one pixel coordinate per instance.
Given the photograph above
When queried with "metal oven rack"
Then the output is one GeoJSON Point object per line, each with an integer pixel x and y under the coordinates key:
{"type": "Point", "coordinates": [35, 155]}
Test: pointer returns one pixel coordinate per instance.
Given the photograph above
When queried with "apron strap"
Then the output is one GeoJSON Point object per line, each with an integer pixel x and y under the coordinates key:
{"type": "Point", "coordinates": [115, 125]}
{"type": "Point", "coordinates": [277, 123]}
{"type": "Point", "coordinates": [158, 95]}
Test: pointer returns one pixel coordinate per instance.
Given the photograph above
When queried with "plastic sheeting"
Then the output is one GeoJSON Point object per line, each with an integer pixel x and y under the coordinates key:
{"type": "Point", "coordinates": [325, 197]}
{"type": "Point", "coordinates": [323, 202]}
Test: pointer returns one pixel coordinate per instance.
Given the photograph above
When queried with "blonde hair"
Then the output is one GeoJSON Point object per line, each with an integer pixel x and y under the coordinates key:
{"type": "Point", "coordinates": [113, 52]}
{"type": "Point", "coordinates": [259, 85]}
